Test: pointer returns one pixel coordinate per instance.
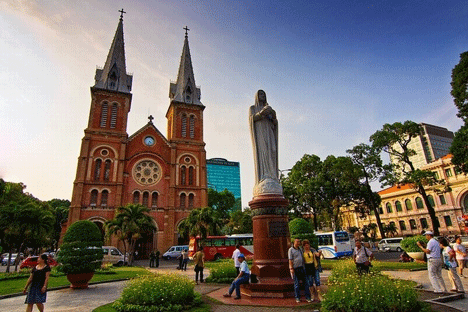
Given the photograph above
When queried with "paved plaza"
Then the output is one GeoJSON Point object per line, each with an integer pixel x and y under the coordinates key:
{"type": "Point", "coordinates": [68, 300]}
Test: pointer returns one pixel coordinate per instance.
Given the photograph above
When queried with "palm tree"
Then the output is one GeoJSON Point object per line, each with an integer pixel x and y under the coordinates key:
{"type": "Point", "coordinates": [201, 222]}
{"type": "Point", "coordinates": [129, 223]}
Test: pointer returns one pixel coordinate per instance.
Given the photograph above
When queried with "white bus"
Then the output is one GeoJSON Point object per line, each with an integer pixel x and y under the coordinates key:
{"type": "Point", "coordinates": [334, 244]}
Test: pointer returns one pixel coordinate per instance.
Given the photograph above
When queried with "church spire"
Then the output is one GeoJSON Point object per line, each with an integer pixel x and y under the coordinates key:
{"type": "Point", "coordinates": [185, 89]}
{"type": "Point", "coordinates": [114, 75]}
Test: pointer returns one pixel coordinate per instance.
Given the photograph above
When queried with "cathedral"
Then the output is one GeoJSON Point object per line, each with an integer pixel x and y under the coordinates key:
{"type": "Point", "coordinates": [167, 174]}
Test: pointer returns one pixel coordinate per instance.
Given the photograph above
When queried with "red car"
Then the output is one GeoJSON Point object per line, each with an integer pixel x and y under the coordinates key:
{"type": "Point", "coordinates": [31, 262]}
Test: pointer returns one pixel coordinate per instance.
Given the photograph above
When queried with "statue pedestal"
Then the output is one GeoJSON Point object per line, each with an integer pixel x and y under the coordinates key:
{"type": "Point", "coordinates": [271, 244]}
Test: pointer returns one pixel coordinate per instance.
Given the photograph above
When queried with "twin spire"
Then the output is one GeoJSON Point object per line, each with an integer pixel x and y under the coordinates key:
{"type": "Point", "coordinates": [114, 75]}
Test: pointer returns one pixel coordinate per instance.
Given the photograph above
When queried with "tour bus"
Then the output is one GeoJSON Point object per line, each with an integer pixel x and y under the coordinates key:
{"type": "Point", "coordinates": [334, 244]}
{"type": "Point", "coordinates": [219, 247]}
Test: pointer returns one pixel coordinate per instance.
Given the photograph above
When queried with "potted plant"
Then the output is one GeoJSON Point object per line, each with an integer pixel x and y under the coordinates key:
{"type": "Point", "coordinates": [411, 247]}
{"type": "Point", "coordinates": [81, 253]}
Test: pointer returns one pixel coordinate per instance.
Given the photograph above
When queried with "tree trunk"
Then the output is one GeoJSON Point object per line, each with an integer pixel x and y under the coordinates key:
{"type": "Point", "coordinates": [430, 209]}
{"type": "Point", "coordinates": [315, 220]}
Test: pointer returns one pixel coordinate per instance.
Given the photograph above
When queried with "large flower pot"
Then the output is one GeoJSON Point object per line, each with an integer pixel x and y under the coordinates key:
{"type": "Point", "coordinates": [418, 256]}
{"type": "Point", "coordinates": [80, 280]}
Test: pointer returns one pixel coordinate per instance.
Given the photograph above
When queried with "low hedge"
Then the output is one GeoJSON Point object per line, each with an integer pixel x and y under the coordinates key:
{"type": "Point", "coordinates": [372, 292]}
{"type": "Point", "coordinates": [158, 293]}
{"type": "Point", "coordinates": [409, 244]}
{"type": "Point", "coordinates": [222, 271]}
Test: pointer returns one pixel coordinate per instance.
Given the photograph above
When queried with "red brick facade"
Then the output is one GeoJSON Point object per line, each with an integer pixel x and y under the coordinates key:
{"type": "Point", "coordinates": [168, 175]}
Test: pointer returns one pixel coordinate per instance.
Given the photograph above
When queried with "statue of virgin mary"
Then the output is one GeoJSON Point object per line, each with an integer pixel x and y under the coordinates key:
{"type": "Point", "coordinates": [264, 133]}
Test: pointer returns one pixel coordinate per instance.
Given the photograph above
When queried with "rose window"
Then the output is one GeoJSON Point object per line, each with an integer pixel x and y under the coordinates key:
{"type": "Point", "coordinates": [146, 172]}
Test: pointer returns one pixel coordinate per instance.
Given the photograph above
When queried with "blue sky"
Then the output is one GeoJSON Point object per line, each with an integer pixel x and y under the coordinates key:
{"type": "Point", "coordinates": [335, 72]}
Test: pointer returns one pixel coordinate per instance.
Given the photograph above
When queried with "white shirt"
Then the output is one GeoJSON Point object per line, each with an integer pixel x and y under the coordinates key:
{"type": "Point", "coordinates": [460, 248]}
{"type": "Point", "coordinates": [244, 267]}
{"type": "Point", "coordinates": [361, 254]}
{"type": "Point", "coordinates": [434, 246]}
{"type": "Point", "coordinates": [235, 256]}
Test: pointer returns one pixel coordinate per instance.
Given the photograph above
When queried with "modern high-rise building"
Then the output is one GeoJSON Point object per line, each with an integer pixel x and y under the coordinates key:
{"type": "Point", "coordinates": [433, 144]}
{"type": "Point", "coordinates": [223, 174]}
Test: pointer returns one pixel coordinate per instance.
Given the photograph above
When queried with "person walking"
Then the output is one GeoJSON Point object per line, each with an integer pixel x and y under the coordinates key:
{"type": "Point", "coordinates": [460, 255]}
{"type": "Point", "coordinates": [235, 256]}
{"type": "Point", "coordinates": [152, 259]}
{"type": "Point", "coordinates": [199, 261]}
{"type": "Point", "coordinates": [297, 270]}
{"type": "Point", "coordinates": [311, 263]}
{"type": "Point", "coordinates": [434, 262]}
{"type": "Point", "coordinates": [362, 257]}
{"type": "Point", "coordinates": [451, 264]}
{"type": "Point", "coordinates": [184, 260]}
{"type": "Point", "coordinates": [242, 278]}
{"type": "Point", "coordinates": [38, 280]}
{"type": "Point", "coordinates": [157, 254]}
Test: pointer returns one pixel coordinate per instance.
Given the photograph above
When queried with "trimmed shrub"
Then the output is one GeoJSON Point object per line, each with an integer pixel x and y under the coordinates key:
{"type": "Point", "coordinates": [81, 251]}
{"type": "Point", "coordinates": [409, 244]}
{"type": "Point", "coordinates": [158, 293]}
{"type": "Point", "coordinates": [369, 292]}
{"type": "Point", "coordinates": [302, 229]}
{"type": "Point", "coordinates": [222, 271]}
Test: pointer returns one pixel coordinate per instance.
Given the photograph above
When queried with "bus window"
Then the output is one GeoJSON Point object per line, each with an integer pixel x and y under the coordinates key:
{"type": "Point", "coordinates": [208, 242]}
{"type": "Point", "coordinates": [230, 242]}
{"type": "Point", "coordinates": [248, 242]}
{"type": "Point", "coordinates": [324, 240]}
{"type": "Point", "coordinates": [218, 242]}
{"type": "Point", "coordinates": [341, 236]}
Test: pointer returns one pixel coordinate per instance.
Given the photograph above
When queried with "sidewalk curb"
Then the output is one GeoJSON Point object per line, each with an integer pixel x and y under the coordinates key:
{"type": "Point", "coordinates": [62, 287]}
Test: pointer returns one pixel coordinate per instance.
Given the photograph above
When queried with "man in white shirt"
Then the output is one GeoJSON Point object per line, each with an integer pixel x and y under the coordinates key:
{"type": "Point", "coordinates": [235, 256]}
{"type": "Point", "coordinates": [434, 263]}
{"type": "Point", "coordinates": [242, 278]}
{"type": "Point", "coordinates": [362, 257]}
{"type": "Point", "coordinates": [460, 254]}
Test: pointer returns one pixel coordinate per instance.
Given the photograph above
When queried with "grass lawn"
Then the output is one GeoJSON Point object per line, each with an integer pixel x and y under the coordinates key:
{"type": "Point", "coordinates": [108, 308]}
{"type": "Point", "coordinates": [382, 265]}
{"type": "Point", "coordinates": [13, 286]}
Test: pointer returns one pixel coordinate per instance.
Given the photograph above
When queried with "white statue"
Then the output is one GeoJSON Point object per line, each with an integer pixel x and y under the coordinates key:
{"type": "Point", "coordinates": [264, 133]}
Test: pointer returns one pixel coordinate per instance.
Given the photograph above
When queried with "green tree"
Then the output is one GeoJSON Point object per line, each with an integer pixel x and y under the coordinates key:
{"type": "Point", "coordinates": [60, 209]}
{"type": "Point", "coordinates": [222, 203]}
{"type": "Point", "coordinates": [395, 139]}
{"type": "Point", "coordinates": [369, 160]}
{"type": "Point", "coordinates": [390, 229]}
{"type": "Point", "coordinates": [240, 222]}
{"type": "Point", "coordinates": [302, 229]}
{"type": "Point", "coordinates": [200, 222]}
{"type": "Point", "coordinates": [129, 223]}
{"type": "Point", "coordinates": [459, 86]}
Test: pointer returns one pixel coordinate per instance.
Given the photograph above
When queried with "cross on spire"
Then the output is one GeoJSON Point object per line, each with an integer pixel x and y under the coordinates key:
{"type": "Point", "coordinates": [122, 12]}
{"type": "Point", "coordinates": [186, 31]}
{"type": "Point", "coordinates": [150, 117]}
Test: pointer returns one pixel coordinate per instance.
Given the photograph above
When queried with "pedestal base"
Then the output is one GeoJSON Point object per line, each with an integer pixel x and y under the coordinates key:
{"type": "Point", "coordinates": [271, 244]}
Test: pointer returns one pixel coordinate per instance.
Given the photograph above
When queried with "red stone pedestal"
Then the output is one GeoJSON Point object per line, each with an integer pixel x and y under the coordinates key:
{"type": "Point", "coordinates": [271, 244]}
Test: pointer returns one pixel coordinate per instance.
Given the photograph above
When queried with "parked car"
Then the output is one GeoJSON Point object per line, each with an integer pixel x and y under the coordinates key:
{"type": "Point", "coordinates": [31, 262]}
{"type": "Point", "coordinates": [174, 252]}
{"type": "Point", "coordinates": [390, 244]}
{"type": "Point", "coordinates": [113, 255]}
{"type": "Point", "coordinates": [12, 259]}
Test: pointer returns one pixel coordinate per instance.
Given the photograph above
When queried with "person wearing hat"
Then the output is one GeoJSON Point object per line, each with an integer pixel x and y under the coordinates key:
{"type": "Point", "coordinates": [434, 262]}
{"type": "Point", "coordinates": [242, 278]}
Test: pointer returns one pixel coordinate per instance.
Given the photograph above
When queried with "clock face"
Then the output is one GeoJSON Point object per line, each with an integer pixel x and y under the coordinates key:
{"type": "Point", "coordinates": [149, 140]}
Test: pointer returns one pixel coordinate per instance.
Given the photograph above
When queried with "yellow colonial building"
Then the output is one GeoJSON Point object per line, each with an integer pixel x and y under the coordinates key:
{"type": "Point", "coordinates": [404, 207]}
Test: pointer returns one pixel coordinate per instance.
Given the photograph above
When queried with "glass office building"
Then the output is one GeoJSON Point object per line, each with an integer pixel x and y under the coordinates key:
{"type": "Point", "coordinates": [224, 174]}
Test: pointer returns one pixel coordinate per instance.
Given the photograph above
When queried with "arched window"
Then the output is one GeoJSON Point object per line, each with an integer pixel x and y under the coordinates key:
{"type": "Point", "coordinates": [104, 197]}
{"type": "Point", "coordinates": [183, 173]}
{"type": "Point", "coordinates": [190, 175]}
{"type": "Point", "coordinates": [408, 204]}
{"type": "Point", "coordinates": [104, 109]}
{"type": "Point", "coordinates": [412, 224]}
{"type": "Point", "coordinates": [93, 200]}
{"type": "Point", "coordinates": [398, 206]}
{"type": "Point", "coordinates": [182, 200]}
{"type": "Point", "coordinates": [419, 203]}
{"type": "Point", "coordinates": [423, 223]}
{"type": "Point", "coordinates": [184, 125]}
{"type": "Point", "coordinates": [114, 110]}
{"type": "Point", "coordinates": [381, 210]}
{"type": "Point", "coordinates": [191, 199]}
{"type": "Point", "coordinates": [154, 200]}
{"type": "Point", "coordinates": [389, 208]}
{"type": "Point", "coordinates": [431, 200]}
{"type": "Point", "coordinates": [97, 169]}
{"type": "Point", "coordinates": [136, 197]}
{"type": "Point", "coordinates": [107, 166]}
{"type": "Point", "coordinates": [192, 126]}
{"type": "Point", "coordinates": [146, 199]}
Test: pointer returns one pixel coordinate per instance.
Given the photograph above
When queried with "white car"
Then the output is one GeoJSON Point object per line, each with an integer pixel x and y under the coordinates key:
{"type": "Point", "coordinates": [174, 252]}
